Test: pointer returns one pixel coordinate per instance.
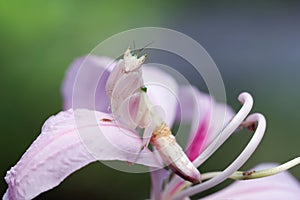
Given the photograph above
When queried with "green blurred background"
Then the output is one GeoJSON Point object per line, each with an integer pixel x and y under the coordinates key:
{"type": "Point", "coordinates": [256, 47]}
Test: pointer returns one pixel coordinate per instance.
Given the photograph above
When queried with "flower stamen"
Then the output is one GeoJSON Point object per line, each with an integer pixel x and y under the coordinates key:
{"type": "Point", "coordinates": [255, 174]}
{"type": "Point", "coordinates": [247, 101]}
{"type": "Point", "coordinates": [236, 164]}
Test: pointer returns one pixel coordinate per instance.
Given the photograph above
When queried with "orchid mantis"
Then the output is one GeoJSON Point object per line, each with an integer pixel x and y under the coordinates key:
{"type": "Point", "coordinates": [131, 106]}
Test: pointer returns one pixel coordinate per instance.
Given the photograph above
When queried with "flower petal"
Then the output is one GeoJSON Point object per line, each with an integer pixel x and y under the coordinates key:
{"type": "Point", "coordinates": [276, 187]}
{"type": "Point", "coordinates": [84, 83]}
{"type": "Point", "coordinates": [162, 90]}
{"type": "Point", "coordinates": [157, 179]}
{"type": "Point", "coordinates": [208, 118]}
{"type": "Point", "coordinates": [69, 141]}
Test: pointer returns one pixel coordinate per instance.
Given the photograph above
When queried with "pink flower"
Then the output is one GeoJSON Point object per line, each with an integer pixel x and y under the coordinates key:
{"type": "Point", "coordinates": [86, 132]}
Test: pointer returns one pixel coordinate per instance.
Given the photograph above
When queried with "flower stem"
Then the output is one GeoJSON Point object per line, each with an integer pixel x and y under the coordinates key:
{"type": "Point", "coordinates": [240, 175]}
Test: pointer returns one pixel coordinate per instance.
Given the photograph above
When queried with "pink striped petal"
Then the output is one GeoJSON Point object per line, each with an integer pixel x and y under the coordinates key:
{"type": "Point", "coordinates": [277, 187]}
{"type": "Point", "coordinates": [69, 141]}
{"type": "Point", "coordinates": [207, 116]}
{"type": "Point", "coordinates": [84, 83]}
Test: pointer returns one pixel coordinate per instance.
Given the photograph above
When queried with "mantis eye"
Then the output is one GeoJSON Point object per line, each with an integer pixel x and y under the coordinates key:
{"type": "Point", "coordinates": [144, 89]}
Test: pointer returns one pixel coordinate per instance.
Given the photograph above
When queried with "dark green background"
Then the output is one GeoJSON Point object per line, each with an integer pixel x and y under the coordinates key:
{"type": "Point", "coordinates": [256, 46]}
